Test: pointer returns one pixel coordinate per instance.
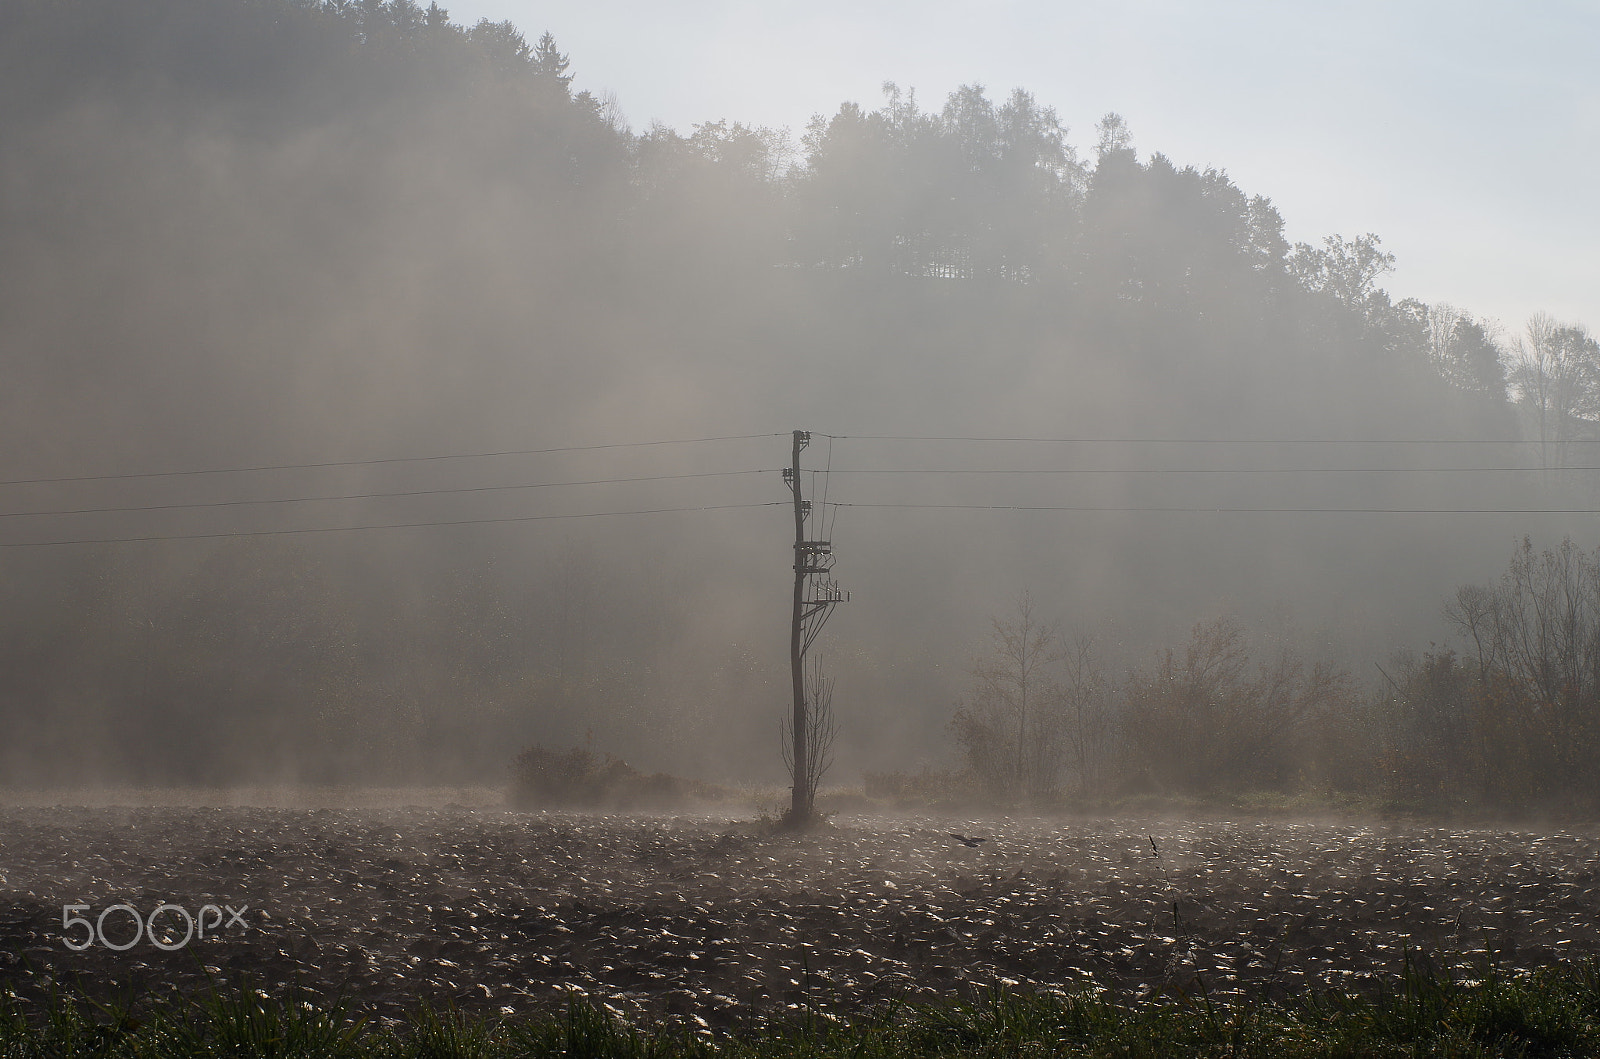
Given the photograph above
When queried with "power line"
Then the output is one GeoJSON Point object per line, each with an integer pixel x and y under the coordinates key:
{"type": "Point", "coordinates": [373, 496]}
{"type": "Point", "coordinates": [328, 464]}
{"type": "Point", "coordinates": [383, 526]}
{"type": "Point", "coordinates": [376, 462]}
{"type": "Point", "coordinates": [1238, 510]}
{"type": "Point", "coordinates": [828, 511]}
{"type": "Point", "coordinates": [394, 494]}
{"type": "Point", "coordinates": [1207, 470]}
{"type": "Point", "coordinates": [1200, 441]}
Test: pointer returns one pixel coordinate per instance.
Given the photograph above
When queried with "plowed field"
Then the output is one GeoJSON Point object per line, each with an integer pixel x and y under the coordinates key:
{"type": "Point", "coordinates": [714, 921]}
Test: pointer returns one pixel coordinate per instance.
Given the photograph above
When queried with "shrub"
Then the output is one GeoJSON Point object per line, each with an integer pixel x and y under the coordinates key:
{"type": "Point", "coordinates": [578, 778]}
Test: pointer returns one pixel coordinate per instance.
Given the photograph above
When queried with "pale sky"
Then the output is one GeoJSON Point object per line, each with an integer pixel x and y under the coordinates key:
{"type": "Point", "coordinates": [1465, 134]}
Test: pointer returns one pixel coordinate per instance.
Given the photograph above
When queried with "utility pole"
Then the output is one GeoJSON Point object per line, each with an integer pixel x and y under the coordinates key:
{"type": "Point", "coordinates": [815, 594]}
{"type": "Point", "coordinates": [800, 800]}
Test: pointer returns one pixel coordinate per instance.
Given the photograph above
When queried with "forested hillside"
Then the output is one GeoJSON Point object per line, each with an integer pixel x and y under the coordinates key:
{"type": "Point", "coordinates": [282, 233]}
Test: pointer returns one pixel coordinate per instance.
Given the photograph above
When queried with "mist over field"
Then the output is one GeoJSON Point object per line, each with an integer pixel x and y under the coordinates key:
{"type": "Point", "coordinates": [279, 266]}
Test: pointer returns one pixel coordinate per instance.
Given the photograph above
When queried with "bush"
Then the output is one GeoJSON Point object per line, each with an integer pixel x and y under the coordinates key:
{"type": "Point", "coordinates": [578, 778]}
{"type": "Point", "coordinates": [1206, 720]}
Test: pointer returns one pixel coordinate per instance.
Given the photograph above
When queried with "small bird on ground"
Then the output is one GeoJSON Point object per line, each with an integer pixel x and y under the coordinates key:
{"type": "Point", "coordinates": [965, 841]}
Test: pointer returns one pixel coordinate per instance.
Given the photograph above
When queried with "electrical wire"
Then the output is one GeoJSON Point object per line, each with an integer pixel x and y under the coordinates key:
{"type": "Point", "coordinates": [377, 462]}
{"type": "Point", "coordinates": [1201, 441]}
{"type": "Point", "coordinates": [1235, 510]}
{"type": "Point", "coordinates": [371, 496]}
{"type": "Point", "coordinates": [1206, 470]}
{"type": "Point", "coordinates": [814, 512]}
{"type": "Point", "coordinates": [383, 526]}
{"type": "Point", "coordinates": [825, 513]}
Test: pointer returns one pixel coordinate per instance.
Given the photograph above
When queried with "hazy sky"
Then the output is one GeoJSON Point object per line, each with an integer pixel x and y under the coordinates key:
{"type": "Point", "coordinates": [1466, 134]}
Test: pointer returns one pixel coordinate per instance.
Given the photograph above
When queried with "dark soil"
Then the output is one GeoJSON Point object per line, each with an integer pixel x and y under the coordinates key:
{"type": "Point", "coordinates": [717, 920]}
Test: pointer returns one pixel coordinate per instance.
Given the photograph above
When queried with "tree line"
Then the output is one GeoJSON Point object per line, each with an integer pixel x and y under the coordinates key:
{"type": "Point", "coordinates": [1507, 718]}
{"type": "Point", "coordinates": [229, 227]}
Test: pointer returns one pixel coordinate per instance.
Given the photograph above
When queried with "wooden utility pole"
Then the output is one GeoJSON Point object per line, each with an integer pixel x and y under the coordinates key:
{"type": "Point", "coordinates": [815, 596]}
{"type": "Point", "coordinates": [800, 802]}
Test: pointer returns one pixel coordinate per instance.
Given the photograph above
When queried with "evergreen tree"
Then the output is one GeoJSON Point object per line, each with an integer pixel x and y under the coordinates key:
{"type": "Point", "coordinates": [550, 66]}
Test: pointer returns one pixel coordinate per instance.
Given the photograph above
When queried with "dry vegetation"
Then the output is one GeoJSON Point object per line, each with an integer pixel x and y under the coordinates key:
{"type": "Point", "coordinates": [578, 778]}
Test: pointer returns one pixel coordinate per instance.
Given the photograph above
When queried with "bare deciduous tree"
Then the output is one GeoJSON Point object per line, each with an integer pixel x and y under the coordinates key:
{"type": "Point", "coordinates": [1555, 373]}
{"type": "Point", "coordinates": [1084, 716]}
{"type": "Point", "coordinates": [821, 729]}
{"type": "Point", "coordinates": [1203, 720]}
{"type": "Point", "coordinates": [1539, 632]}
{"type": "Point", "coordinates": [1008, 731]}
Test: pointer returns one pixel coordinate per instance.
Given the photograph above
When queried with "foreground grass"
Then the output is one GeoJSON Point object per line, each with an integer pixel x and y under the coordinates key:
{"type": "Point", "coordinates": [1551, 1012]}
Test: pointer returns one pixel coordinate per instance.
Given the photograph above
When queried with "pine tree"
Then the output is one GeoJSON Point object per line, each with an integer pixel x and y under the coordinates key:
{"type": "Point", "coordinates": [550, 65]}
